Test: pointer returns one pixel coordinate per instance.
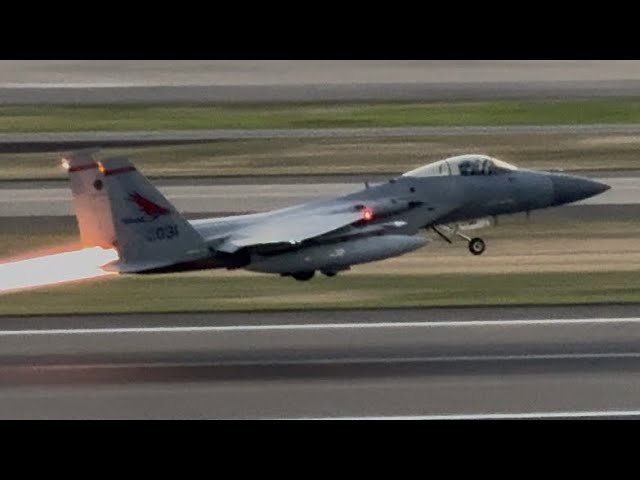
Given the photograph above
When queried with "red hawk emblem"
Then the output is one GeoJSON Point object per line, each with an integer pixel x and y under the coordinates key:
{"type": "Point", "coordinates": [147, 206]}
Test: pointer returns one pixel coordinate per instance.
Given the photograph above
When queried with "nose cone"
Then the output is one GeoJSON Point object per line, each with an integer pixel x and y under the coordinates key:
{"type": "Point", "coordinates": [569, 188]}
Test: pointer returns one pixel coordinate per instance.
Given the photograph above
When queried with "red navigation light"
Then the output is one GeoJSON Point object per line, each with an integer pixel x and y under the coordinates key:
{"type": "Point", "coordinates": [367, 214]}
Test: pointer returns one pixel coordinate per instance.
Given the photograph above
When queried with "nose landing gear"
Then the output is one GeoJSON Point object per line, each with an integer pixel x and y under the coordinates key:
{"type": "Point", "coordinates": [477, 246]}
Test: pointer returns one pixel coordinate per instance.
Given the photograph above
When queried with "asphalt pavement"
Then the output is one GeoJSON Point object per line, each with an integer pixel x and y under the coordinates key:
{"type": "Point", "coordinates": [447, 363]}
{"type": "Point", "coordinates": [192, 81]}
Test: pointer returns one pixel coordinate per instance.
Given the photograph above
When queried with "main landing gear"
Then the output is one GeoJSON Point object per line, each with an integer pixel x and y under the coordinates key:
{"type": "Point", "coordinates": [477, 246]}
{"type": "Point", "coordinates": [308, 275]}
{"type": "Point", "coordinates": [303, 276]}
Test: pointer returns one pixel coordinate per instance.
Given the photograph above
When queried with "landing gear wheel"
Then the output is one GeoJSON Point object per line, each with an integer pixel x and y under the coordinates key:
{"type": "Point", "coordinates": [303, 276]}
{"type": "Point", "coordinates": [329, 273]}
{"type": "Point", "coordinates": [477, 246]}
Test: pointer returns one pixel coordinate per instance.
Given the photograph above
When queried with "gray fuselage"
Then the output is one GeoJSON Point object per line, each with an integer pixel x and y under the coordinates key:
{"type": "Point", "coordinates": [431, 201]}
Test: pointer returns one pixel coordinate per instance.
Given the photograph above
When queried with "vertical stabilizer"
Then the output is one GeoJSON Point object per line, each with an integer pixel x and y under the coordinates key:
{"type": "Point", "coordinates": [90, 201]}
{"type": "Point", "coordinates": [149, 232]}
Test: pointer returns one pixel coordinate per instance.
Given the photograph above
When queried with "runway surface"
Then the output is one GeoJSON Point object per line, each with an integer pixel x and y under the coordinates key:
{"type": "Point", "coordinates": [436, 363]}
{"type": "Point", "coordinates": [149, 81]}
{"type": "Point", "coordinates": [225, 199]}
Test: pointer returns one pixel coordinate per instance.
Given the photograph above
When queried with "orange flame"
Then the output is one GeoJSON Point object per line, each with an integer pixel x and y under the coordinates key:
{"type": "Point", "coordinates": [55, 269]}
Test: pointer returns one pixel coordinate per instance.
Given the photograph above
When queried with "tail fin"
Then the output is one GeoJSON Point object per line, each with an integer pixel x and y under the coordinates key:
{"type": "Point", "coordinates": [90, 200]}
{"type": "Point", "coordinates": [148, 232]}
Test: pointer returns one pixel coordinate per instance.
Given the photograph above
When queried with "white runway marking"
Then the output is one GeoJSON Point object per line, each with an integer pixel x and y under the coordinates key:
{"type": "Point", "coordinates": [325, 326]}
{"type": "Point", "coordinates": [496, 416]}
{"type": "Point", "coordinates": [327, 361]}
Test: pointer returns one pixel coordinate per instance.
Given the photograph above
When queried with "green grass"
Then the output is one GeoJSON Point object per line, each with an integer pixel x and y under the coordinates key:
{"type": "Point", "coordinates": [221, 291]}
{"type": "Point", "coordinates": [311, 115]}
{"type": "Point", "coordinates": [15, 244]}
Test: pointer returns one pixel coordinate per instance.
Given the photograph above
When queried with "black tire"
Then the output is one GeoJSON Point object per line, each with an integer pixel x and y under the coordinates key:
{"type": "Point", "coordinates": [303, 276]}
{"type": "Point", "coordinates": [477, 246]}
{"type": "Point", "coordinates": [329, 274]}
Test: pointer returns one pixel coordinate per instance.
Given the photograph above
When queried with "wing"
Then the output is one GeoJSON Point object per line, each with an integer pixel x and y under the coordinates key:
{"type": "Point", "coordinates": [288, 230]}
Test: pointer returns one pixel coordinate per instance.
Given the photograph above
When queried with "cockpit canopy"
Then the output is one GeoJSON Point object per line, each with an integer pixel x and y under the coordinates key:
{"type": "Point", "coordinates": [463, 165]}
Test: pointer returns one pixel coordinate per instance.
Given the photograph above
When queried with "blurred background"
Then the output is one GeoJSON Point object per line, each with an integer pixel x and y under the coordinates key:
{"type": "Point", "coordinates": [229, 137]}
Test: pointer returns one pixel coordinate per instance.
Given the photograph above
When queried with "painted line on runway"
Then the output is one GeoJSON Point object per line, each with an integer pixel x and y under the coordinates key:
{"type": "Point", "coordinates": [325, 361]}
{"type": "Point", "coordinates": [326, 326]}
{"type": "Point", "coordinates": [493, 416]}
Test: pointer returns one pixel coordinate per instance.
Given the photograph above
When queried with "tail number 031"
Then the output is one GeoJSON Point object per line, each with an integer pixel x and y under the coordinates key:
{"type": "Point", "coordinates": [165, 232]}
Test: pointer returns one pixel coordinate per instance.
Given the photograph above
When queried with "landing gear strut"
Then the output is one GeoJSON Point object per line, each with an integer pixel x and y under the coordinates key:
{"type": "Point", "coordinates": [477, 246]}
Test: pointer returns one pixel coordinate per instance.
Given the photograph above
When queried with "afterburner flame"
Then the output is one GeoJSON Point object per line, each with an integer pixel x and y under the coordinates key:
{"type": "Point", "coordinates": [55, 269]}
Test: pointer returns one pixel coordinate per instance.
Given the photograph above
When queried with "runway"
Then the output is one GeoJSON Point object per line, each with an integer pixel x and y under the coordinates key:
{"type": "Point", "coordinates": [193, 81]}
{"type": "Point", "coordinates": [227, 199]}
{"type": "Point", "coordinates": [436, 363]}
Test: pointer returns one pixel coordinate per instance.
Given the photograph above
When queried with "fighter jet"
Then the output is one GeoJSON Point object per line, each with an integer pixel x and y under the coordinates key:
{"type": "Point", "coordinates": [117, 207]}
